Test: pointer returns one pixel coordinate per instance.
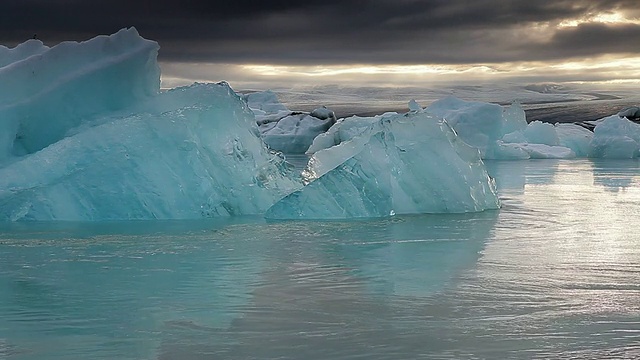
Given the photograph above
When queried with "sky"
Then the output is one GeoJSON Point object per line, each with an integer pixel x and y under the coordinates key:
{"type": "Point", "coordinates": [368, 42]}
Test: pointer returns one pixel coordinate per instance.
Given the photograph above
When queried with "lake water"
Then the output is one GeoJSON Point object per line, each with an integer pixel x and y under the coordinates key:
{"type": "Point", "coordinates": [554, 274]}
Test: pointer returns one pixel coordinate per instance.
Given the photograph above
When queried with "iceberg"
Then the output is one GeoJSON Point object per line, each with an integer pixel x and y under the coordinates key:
{"type": "Point", "coordinates": [479, 124]}
{"type": "Point", "coordinates": [393, 164]}
{"type": "Point", "coordinates": [574, 137]}
{"type": "Point", "coordinates": [500, 133]}
{"type": "Point", "coordinates": [87, 135]}
{"type": "Point", "coordinates": [631, 113]}
{"type": "Point", "coordinates": [20, 52]}
{"type": "Point", "coordinates": [503, 133]}
{"type": "Point", "coordinates": [615, 137]}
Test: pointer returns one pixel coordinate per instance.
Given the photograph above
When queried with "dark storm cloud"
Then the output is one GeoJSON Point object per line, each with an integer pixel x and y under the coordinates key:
{"type": "Point", "coordinates": [326, 31]}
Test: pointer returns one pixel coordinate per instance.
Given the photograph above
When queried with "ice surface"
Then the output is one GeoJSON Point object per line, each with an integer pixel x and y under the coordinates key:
{"type": "Point", "coordinates": [630, 113]}
{"type": "Point", "coordinates": [285, 130]}
{"type": "Point", "coordinates": [88, 136]}
{"type": "Point", "coordinates": [293, 133]}
{"type": "Point", "coordinates": [615, 138]}
{"type": "Point", "coordinates": [574, 137]}
{"type": "Point", "coordinates": [396, 165]}
{"type": "Point", "coordinates": [193, 155]}
{"type": "Point", "coordinates": [20, 52]}
{"type": "Point", "coordinates": [480, 124]}
{"type": "Point", "coordinates": [85, 134]}
{"type": "Point", "coordinates": [45, 95]}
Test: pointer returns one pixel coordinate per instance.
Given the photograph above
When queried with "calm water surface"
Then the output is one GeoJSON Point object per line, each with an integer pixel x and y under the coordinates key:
{"type": "Point", "coordinates": [554, 274]}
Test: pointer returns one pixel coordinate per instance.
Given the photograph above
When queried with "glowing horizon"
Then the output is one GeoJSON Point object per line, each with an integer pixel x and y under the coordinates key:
{"type": "Point", "coordinates": [613, 70]}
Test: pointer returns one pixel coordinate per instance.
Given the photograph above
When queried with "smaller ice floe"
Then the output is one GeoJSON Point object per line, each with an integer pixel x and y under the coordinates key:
{"type": "Point", "coordinates": [290, 132]}
{"type": "Point", "coordinates": [481, 124]}
{"type": "Point", "coordinates": [615, 137]}
{"type": "Point", "coordinates": [539, 141]}
{"type": "Point", "coordinates": [264, 102]}
{"type": "Point", "coordinates": [344, 130]}
{"type": "Point", "coordinates": [500, 133]}
{"type": "Point", "coordinates": [391, 164]}
{"type": "Point", "coordinates": [574, 137]}
{"type": "Point", "coordinates": [632, 113]}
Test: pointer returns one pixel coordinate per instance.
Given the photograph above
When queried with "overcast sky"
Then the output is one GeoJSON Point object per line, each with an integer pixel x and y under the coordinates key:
{"type": "Point", "coordinates": [350, 39]}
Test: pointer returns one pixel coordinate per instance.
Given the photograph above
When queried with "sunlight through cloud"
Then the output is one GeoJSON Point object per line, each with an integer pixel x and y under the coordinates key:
{"type": "Point", "coordinates": [616, 18]}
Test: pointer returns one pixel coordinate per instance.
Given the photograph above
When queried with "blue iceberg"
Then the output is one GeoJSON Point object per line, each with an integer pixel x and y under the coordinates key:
{"type": "Point", "coordinates": [393, 164]}
{"type": "Point", "coordinates": [91, 137]}
{"type": "Point", "coordinates": [86, 134]}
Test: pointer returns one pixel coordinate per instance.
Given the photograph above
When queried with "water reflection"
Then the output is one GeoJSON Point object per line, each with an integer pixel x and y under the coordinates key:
{"type": "Point", "coordinates": [107, 295]}
{"type": "Point", "coordinates": [513, 176]}
{"type": "Point", "coordinates": [332, 289]}
{"type": "Point", "coordinates": [616, 175]}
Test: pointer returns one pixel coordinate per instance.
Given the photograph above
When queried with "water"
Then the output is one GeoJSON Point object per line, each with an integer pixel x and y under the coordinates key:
{"type": "Point", "coordinates": [554, 274]}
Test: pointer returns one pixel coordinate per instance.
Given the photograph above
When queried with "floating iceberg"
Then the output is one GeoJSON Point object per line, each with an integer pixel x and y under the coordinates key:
{"type": "Point", "coordinates": [193, 156]}
{"type": "Point", "coordinates": [615, 137]}
{"type": "Point", "coordinates": [90, 137]}
{"type": "Point", "coordinates": [393, 164]}
{"type": "Point", "coordinates": [480, 124]}
{"type": "Point", "coordinates": [500, 133]}
{"type": "Point", "coordinates": [504, 133]}
{"type": "Point", "coordinates": [87, 135]}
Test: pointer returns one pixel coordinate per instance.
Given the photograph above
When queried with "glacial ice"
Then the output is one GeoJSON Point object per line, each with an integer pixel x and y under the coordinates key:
{"type": "Point", "coordinates": [92, 138]}
{"type": "Point", "coordinates": [478, 124]}
{"type": "Point", "coordinates": [631, 113]}
{"type": "Point", "coordinates": [191, 155]}
{"type": "Point", "coordinates": [615, 138]}
{"type": "Point", "coordinates": [290, 132]}
{"type": "Point", "coordinates": [89, 136]}
{"type": "Point", "coordinates": [20, 52]}
{"type": "Point", "coordinates": [86, 134]}
{"type": "Point", "coordinates": [574, 137]}
{"type": "Point", "coordinates": [500, 133]}
{"type": "Point", "coordinates": [397, 164]}
{"type": "Point", "coordinates": [50, 92]}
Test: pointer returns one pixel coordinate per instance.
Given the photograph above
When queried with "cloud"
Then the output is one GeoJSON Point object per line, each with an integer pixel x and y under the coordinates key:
{"type": "Point", "coordinates": [338, 32]}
